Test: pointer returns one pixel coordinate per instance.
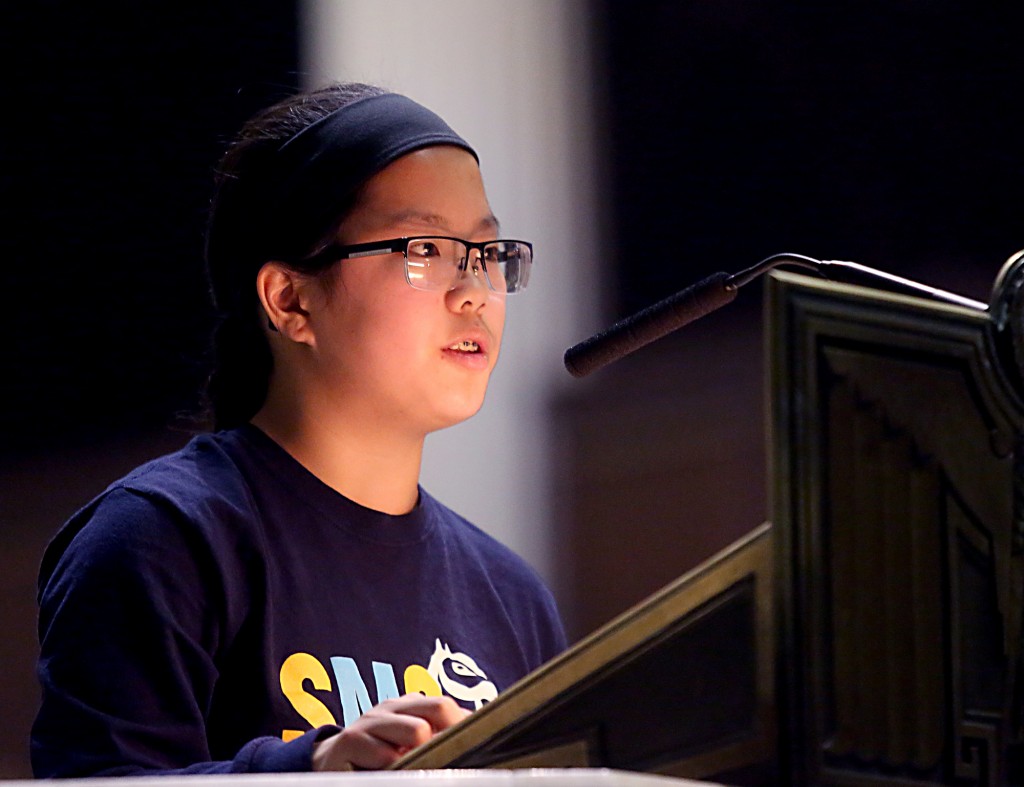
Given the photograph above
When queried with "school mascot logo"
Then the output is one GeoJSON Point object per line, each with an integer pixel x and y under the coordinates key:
{"type": "Point", "coordinates": [305, 679]}
{"type": "Point", "coordinates": [460, 677]}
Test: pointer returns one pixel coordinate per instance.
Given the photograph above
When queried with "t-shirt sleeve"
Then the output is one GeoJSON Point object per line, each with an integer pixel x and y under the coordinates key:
{"type": "Point", "coordinates": [131, 618]}
{"type": "Point", "coordinates": [553, 638]}
{"type": "Point", "coordinates": [545, 624]}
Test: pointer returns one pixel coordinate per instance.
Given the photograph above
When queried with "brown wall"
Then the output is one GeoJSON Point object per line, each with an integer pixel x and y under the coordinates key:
{"type": "Point", "coordinates": [662, 463]}
{"type": "Point", "coordinates": [37, 493]}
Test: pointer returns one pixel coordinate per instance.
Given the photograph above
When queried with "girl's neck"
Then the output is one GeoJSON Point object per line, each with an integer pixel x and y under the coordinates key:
{"type": "Point", "coordinates": [365, 462]}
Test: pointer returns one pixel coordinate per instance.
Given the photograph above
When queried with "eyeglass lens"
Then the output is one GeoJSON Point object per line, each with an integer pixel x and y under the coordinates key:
{"type": "Point", "coordinates": [437, 263]}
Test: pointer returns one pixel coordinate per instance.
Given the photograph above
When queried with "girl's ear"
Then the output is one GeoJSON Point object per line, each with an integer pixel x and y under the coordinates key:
{"type": "Point", "coordinates": [283, 293]}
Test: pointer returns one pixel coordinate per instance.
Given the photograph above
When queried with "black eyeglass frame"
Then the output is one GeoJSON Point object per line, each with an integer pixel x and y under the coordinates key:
{"type": "Point", "coordinates": [337, 252]}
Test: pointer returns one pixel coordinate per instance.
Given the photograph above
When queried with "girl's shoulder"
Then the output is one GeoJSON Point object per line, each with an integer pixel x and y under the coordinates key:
{"type": "Point", "coordinates": [196, 497]}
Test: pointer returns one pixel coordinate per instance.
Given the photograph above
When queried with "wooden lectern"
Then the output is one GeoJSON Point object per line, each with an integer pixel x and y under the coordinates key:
{"type": "Point", "coordinates": [871, 634]}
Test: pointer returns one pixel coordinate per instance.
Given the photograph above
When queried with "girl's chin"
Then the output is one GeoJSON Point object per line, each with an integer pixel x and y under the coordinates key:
{"type": "Point", "coordinates": [456, 415]}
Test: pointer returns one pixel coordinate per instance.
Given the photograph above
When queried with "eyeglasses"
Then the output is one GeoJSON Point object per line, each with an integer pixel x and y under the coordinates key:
{"type": "Point", "coordinates": [437, 263]}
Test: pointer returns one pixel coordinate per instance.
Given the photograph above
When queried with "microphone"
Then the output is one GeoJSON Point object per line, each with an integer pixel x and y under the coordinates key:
{"type": "Point", "coordinates": [650, 324]}
{"type": "Point", "coordinates": [718, 289]}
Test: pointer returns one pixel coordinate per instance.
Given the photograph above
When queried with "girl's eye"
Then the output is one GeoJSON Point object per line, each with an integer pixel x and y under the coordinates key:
{"type": "Point", "coordinates": [424, 248]}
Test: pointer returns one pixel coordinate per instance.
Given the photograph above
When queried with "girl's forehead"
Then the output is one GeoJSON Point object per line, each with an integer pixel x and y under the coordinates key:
{"type": "Point", "coordinates": [437, 190]}
{"type": "Point", "coordinates": [442, 165]}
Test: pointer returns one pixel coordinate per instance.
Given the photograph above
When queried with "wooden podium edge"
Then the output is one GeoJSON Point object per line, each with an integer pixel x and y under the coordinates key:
{"type": "Point", "coordinates": [750, 555]}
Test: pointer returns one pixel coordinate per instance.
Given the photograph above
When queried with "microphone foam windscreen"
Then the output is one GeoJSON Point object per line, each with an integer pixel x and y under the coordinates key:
{"type": "Point", "coordinates": [648, 325]}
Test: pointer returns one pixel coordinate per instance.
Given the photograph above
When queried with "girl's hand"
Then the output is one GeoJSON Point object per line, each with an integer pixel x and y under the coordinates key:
{"type": "Point", "coordinates": [387, 731]}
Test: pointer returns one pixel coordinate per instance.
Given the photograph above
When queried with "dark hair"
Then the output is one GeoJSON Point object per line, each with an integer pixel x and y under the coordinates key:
{"type": "Point", "coordinates": [242, 362]}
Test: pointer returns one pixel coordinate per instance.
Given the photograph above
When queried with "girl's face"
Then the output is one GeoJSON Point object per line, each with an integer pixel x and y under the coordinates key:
{"type": "Point", "coordinates": [388, 352]}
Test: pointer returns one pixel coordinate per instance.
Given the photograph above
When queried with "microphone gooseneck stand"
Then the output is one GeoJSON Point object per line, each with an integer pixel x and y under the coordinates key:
{"type": "Point", "coordinates": [712, 293]}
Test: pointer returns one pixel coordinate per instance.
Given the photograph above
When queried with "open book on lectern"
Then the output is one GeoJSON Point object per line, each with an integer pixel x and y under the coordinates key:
{"type": "Point", "coordinates": [680, 684]}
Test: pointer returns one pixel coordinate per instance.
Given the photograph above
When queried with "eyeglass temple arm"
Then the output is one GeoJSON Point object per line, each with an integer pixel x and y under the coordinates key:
{"type": "Point", "coordinates": [841, 270]}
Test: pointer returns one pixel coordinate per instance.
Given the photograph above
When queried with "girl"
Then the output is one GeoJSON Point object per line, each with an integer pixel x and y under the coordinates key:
{"type": "Point", "coordinates": [281, 594]}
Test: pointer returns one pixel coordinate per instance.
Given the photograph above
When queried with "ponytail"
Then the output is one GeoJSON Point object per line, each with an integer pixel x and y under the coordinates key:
{"type": "Point", "coordinates": [235, 251]}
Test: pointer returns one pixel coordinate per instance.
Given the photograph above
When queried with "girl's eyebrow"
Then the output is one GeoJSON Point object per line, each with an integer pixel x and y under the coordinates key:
{"type": "Point", "coordinates": [489, 223]}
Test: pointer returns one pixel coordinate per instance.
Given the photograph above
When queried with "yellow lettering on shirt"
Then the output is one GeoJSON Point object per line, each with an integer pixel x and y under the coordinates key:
{"type": "Point", "coordinates": [418, 679]}
{"type": "Point", "coordinates": [296, 670]}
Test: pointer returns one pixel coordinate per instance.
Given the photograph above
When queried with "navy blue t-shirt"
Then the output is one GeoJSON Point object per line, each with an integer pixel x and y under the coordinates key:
{"type": "Point", "coordinates": [216, 608]}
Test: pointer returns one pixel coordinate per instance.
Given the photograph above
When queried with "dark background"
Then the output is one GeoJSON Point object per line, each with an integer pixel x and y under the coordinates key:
{"type": "Point", "coordinates": [883, 132]}
{"type": "Point", "coordinates": [123, 112]}
{"type": "Point", "coordinates": [887, 133]}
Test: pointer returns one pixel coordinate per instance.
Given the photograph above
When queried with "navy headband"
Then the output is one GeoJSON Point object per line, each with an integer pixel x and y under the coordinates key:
{"type": "Point", "coordinates": [289, 203]}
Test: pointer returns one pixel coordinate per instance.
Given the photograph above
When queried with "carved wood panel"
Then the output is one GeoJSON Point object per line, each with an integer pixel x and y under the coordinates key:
{"type": "Point", "coordinates": [896, 507]}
